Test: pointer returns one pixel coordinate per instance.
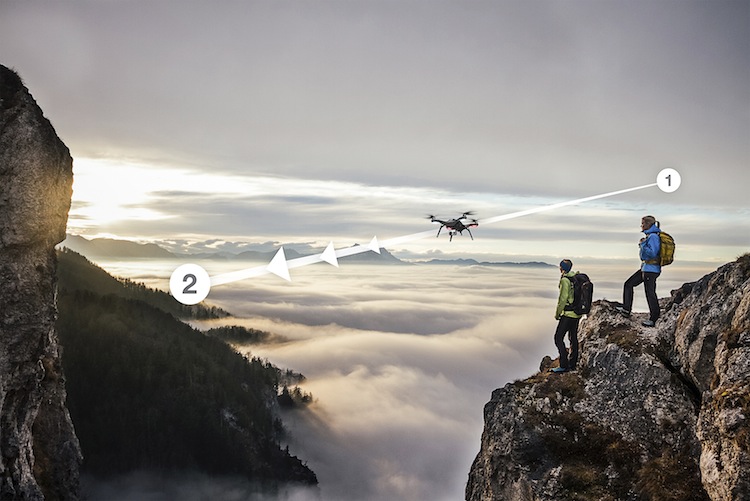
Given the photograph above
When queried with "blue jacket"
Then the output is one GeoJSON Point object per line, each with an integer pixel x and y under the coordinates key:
{"type": "Point", "coordinates": [650, 248]}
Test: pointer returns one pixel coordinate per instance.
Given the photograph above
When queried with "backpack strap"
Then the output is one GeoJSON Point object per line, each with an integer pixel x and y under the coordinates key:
{"type": "Point", "coordinates": [569, 304]}
{"type": "Point", "coordinates": [657, 259]}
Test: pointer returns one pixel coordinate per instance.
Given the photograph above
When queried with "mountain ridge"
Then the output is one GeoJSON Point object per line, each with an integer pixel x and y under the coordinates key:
{"type": "Point", "coordinates": [109, 248]}
{"type": "Point", "coordinates": [474, 262]}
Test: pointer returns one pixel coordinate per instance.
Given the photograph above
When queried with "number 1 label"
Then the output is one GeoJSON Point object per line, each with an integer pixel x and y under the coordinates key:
{"type": "Point", "coordinates": [668, 180]}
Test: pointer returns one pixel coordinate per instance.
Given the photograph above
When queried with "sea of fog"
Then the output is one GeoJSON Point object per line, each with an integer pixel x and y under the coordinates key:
{"type": "Point", "coordinates": [400, 360]}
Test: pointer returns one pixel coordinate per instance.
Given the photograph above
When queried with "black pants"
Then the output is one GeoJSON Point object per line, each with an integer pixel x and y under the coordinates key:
{"type": "Point", "coordinates": [648, 279]}
{"type": "Point", "coordinates": [567, 325]}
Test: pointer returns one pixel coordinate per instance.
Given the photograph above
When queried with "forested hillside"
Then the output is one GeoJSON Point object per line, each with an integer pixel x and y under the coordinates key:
{"type": "Point", "coordinates": [148, 392]}
{"type": "Point", "coordinates": [75, 272]}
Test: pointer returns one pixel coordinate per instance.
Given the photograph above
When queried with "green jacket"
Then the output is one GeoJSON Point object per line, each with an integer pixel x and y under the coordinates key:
{"type": "Point", "coordinates": [566, 297]}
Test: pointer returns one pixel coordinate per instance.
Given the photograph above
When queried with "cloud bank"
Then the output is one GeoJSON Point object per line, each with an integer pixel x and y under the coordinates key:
{"type": "Point", "coordinates": [401, 361]}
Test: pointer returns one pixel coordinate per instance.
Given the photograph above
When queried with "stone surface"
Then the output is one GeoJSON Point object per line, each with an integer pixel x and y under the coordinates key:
{"type": "Point", "coordinates": [657, 413]}
{"type": "Point", "coordinates": [39, 452]}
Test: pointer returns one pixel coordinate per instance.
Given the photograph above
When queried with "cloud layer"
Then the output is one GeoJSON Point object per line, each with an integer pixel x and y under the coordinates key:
{"type": "Point", "coordinates": [401, 361]}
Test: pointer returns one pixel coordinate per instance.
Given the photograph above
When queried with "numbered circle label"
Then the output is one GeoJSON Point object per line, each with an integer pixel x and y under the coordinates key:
{"type": "Point", "coordinates": [668, 180]}
{"type": "Point", "coordinates": [189, 284]}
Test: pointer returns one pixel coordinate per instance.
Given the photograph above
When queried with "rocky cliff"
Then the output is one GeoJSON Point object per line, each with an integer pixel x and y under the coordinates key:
{"type": "Point", "coordinates": [660, 413]}
{"type": "Point", "coordinates": [39, 452]}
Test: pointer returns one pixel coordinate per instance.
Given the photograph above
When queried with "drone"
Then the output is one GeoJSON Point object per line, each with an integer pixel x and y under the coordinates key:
{"type": "Point", "coordinates": [456, 225]}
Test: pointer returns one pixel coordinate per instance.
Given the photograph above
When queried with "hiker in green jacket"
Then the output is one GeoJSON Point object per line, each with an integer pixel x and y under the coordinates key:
{"type": "Point", "coordinates": [567, 320]}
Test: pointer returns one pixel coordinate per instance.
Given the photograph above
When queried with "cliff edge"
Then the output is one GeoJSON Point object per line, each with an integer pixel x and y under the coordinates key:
{"type": "Point", "coordinates": [658, 413]}
{"type": "Point", "coordinates": [39, 451]}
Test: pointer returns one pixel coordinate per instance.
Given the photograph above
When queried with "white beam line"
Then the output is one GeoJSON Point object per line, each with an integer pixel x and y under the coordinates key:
{"type": "Point", "coordinates": [257, 271]}
{"type": "Point", "coordinates": [544, 208]}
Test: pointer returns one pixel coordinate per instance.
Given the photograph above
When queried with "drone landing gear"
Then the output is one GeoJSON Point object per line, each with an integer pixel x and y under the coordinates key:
{"type": "Point", "coordinates": [456, 232]}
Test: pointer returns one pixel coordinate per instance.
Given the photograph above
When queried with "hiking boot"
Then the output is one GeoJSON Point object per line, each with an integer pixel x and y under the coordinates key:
{"type": "Point", "coordinates": [648, 323]}
{"type": "Point", "coordinates": [622, 311]}
{"type": "Point", "coordinates": [558, 370]}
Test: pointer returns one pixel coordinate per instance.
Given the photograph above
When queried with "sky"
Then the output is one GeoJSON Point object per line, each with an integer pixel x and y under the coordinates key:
{"type": "Point", "coordinates": [228, 126]}
{"type": "Point", "coordinates": [289, 122]}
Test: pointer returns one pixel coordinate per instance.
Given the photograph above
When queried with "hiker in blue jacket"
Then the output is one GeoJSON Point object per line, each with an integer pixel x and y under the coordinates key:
{"type": "Point", "coordinates": [650, 247]}
{"type": "Point", "coordinates": [567, 320]}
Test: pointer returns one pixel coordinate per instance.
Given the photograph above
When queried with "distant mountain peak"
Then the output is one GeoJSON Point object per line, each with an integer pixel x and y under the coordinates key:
{"type": "Point", "coordinates": [113, 248]}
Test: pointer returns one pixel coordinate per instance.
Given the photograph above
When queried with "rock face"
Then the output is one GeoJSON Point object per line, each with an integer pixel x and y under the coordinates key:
{"type": "Point", "coordinates": [39, 451]}
{"type": "Point", "coordinates": [659, 414]}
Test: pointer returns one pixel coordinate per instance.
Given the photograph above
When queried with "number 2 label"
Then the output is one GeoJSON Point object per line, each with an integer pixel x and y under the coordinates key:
{"type": "Point", "coordinates": [189, 284]}
{"type": "Point", "coordinates": [188, 288]}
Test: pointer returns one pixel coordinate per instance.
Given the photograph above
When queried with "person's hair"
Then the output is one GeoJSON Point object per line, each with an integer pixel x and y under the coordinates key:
{"type": "Point", "coordinates": [650, 221]}
{"type": "Point", "coordinates": [566, 264]}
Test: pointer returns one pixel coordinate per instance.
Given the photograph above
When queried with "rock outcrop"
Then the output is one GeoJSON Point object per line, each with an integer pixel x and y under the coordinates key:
{"type": "Point", "coordinates": [660, 413]}
{"type": "Point", "coordinates": [39, 451]}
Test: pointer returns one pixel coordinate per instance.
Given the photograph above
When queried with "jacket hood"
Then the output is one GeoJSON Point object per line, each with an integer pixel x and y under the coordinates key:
{"type": "Point", "coordinates": [653, 229]}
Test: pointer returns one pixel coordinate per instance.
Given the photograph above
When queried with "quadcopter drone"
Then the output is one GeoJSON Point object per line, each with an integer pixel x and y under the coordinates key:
{"type": "Point", "coordinates": [456, 225]}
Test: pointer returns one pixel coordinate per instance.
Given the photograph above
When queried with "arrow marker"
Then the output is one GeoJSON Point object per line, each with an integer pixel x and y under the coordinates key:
{"type": "Point", "coordinates": [278, 266]}
{"type": "Point", "coordinates": [373, 245]}
{"type": "Point", "coordinates": [329, 255]}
